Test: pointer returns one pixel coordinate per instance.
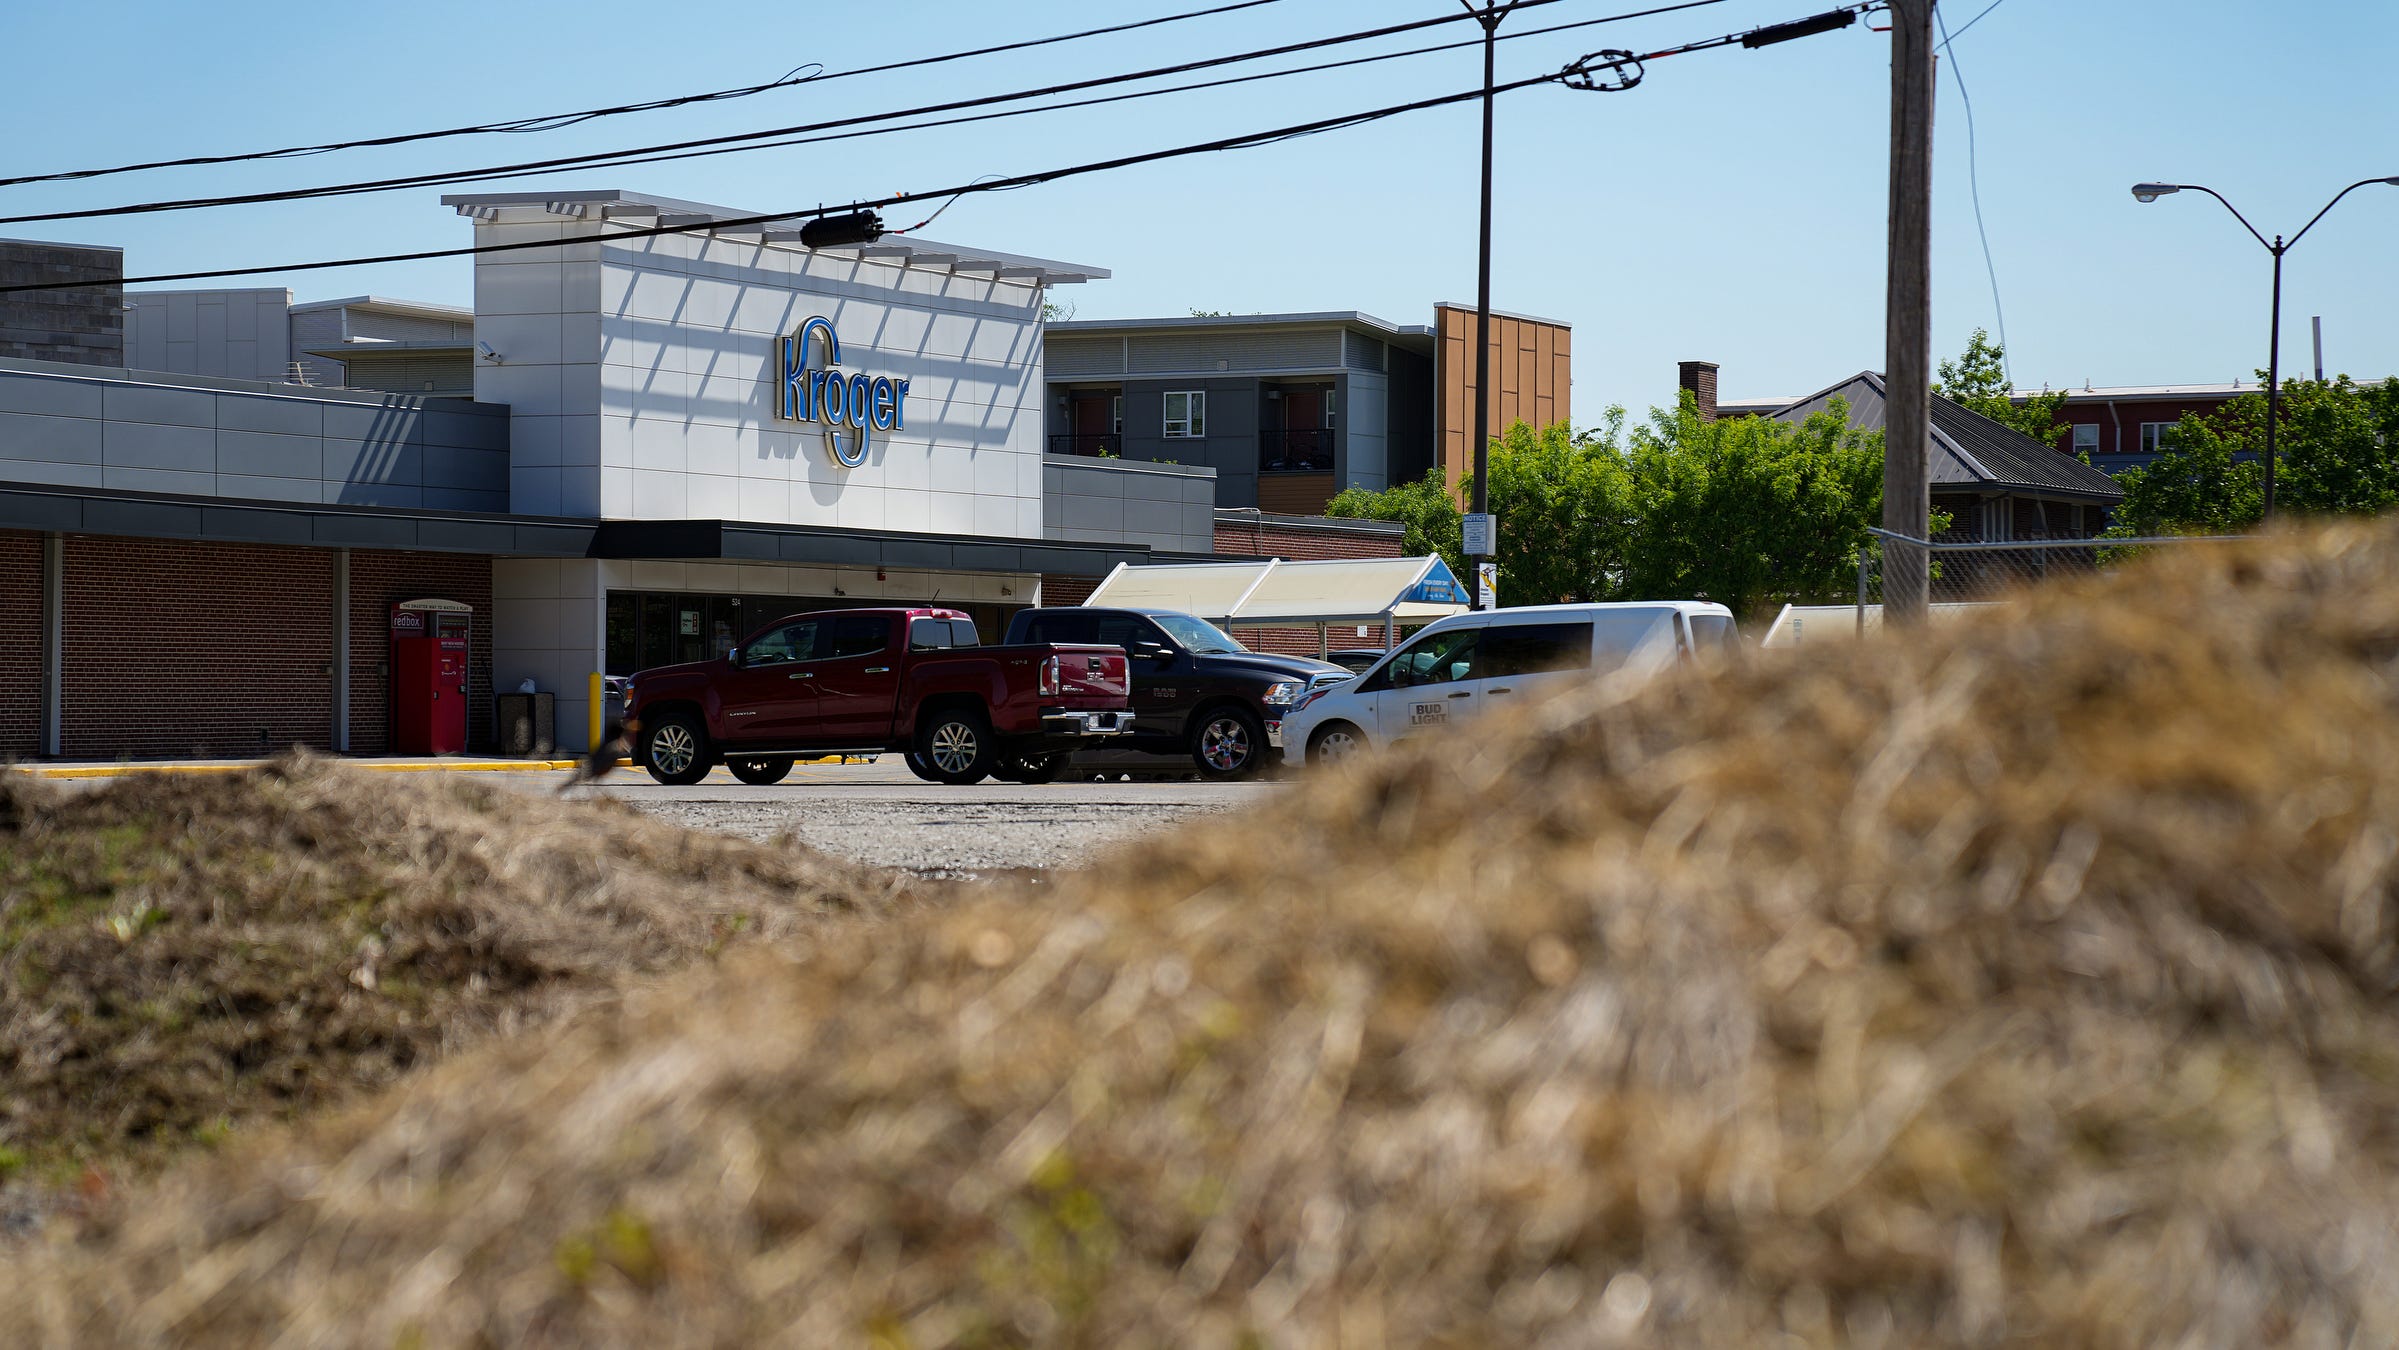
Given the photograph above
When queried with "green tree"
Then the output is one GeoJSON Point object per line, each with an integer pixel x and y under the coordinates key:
{"type": "Point", "coordinates": [1750, 512]}
{"type": "Point", "coordinates": [1977, 381]}
{"type": "Point", "coordinates": [1426, 507]}
{"type": "Point", "coordinates": [2333, 453]}
{"type": "Point", "coordinates": [1565, 503]}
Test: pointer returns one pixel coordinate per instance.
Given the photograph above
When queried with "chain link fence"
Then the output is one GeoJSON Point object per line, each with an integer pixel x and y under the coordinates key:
{"type": "Point", "coordinates": [1964, 574]}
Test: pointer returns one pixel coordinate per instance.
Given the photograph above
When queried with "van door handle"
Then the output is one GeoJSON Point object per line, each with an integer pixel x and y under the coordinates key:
{"type": "Point", "coordinates": [803, 675]}
{"type": "Point", "coordinates": [1463, 693]}
{"type": "Point", "coordinates": [878, 670]}
{"type": "Point", "coordinates": [1503, 689]}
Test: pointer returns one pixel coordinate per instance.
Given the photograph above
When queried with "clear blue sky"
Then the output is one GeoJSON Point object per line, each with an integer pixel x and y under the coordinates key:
{"type": "Point", "coordinates": [1731, 208]}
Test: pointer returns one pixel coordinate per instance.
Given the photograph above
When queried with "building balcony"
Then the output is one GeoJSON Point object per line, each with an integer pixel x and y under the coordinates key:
{"type": "Point", "coordinates": [1107, 444]}
{"type": "Point", "coordinates": [1305, 450]}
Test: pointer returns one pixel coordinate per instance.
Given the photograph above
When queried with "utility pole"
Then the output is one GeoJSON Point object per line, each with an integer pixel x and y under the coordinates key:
{"type": "Point", "coordinates": [1489, 17]}
{"type": "Point", "coordinates": [1907, 331]}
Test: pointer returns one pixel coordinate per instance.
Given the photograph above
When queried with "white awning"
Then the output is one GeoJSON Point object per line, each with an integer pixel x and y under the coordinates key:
{"type": "Point", "coordinates": [1256, 594]}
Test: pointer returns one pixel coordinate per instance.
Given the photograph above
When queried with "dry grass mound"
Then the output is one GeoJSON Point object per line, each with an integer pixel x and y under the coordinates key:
{"type": "Point", "coordinates": [182, 954]}
{"type": "Point", "coordinates": [2030, 983]}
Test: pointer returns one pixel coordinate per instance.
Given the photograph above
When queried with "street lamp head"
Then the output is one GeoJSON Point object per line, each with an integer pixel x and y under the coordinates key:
{"type": "Point", "coordinates": [2394, 182]}
{"type": "Point", "coordinates": [2149, 192]}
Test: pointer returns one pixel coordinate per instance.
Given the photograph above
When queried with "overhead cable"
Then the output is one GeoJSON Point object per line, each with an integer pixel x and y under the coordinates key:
{"type": "Point", "coordinates": [771, 218]}
{"type": "Point", "coordinates": [764, 219]}
{"type": "Point", "coordinates": [554, 121]}
{"type": "Point", "coordinates": [1070, 104]}
{"type": "Point", "coordinates": [605, 158]}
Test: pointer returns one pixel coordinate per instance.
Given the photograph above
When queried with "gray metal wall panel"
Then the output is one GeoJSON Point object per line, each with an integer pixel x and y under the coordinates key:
{"type": "Point", "coordinates": [157, 404]}
{"type": "Point", "coordinates": [50, 472]}
{"type": "Point", "coordinates": [459, 499]}
{"type": "Point", "coordinates": [271, 489]}
{"type": "Point", "coordinates": [265, 454]}
{"type": "Point", "coordinates": [63, 440]}
{"type": "Point", "coordinates": [368, 464]}
{"type": "Point", "coordinates": [154, 445]}
{"type": "Point", "coordinates": [282, 416]}
{"type": "Point", "coordinates": [52, 395]}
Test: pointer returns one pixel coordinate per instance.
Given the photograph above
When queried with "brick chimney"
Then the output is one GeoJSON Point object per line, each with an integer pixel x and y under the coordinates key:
{"type": "Point", "coordinates": [1700, 378]}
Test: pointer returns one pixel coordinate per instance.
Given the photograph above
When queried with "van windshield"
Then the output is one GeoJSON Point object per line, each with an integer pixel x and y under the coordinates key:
{"type": "Point", "coordinates": [1714, 632]}
{"type": "Point", "coordinates": [1197, 635]}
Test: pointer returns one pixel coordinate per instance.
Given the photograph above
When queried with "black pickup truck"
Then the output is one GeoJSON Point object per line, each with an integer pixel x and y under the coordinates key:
{"type": "Point", "coordinates": [1196, 691]}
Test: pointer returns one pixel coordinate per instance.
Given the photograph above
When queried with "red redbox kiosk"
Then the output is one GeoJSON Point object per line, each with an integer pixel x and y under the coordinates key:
{"type": "Point", "coordinates": [429, 676]}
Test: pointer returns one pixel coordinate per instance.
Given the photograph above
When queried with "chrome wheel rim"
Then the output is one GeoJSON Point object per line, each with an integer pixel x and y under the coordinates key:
{"type": "Point", "coordinates": [1336, 746]}
{"type": "Point", "coordinates": [672, 748]}
{"type": "Point", "coordinates": [953, 747]}
{"type": "Point", "coordinates": [1225, 744]}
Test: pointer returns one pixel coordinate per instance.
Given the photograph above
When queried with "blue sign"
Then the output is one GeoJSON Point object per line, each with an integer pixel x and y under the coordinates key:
{"type": "Point", "coordinates": [1439, 587]}
{"type": "Point", "coordinates": [813, 389]}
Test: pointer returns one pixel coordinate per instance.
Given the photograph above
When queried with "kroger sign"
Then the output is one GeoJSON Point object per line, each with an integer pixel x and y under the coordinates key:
{"type": "Point", "coordinates": [815, 390]}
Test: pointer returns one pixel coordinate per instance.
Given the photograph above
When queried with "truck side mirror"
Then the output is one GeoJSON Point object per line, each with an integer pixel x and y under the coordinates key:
{"type": "Point", "coordinates": [733, 657]}
{"type": "Point", "coordinates": [1155, 651]}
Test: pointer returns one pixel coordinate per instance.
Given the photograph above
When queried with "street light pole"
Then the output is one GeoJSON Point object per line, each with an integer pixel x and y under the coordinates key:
{"type": "Point", "coordinates": [2149, 192]}
{"type": "Point", "coordinates": [1489, 17]}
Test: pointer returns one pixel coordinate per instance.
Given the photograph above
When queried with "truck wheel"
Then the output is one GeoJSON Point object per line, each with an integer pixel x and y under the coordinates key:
{"type": "Point", "coordinates": [760, 772]}
{"type": "Point", "coordinates": [1333, 743]}
{"type": "Point", "coordinates": [1228, 742]}
{"type": "Point", "coordinates": [674, 748]}
{"type": "Point", "coordinates": [955, 743]}
{"type": "Point", "coordinates": [1030, 768]}
{"type": "Point", "coordinates": [919, 767]}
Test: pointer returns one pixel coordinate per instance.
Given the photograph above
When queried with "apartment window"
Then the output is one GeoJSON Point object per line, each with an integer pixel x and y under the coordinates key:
{"type": "Point", "coordinates": [1116, 414]}
{"type": "Point", "coordinates": [2086, 438]}
{"type": "Point", "coordinates": [1186, 414]}
{"type": "Point", "coordinates": [1329, 395]}
{"type": "Point", "coordinates": [2153, 436]}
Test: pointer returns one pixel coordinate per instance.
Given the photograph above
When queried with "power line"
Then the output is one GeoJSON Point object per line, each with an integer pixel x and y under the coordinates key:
{"type": "Point", "coordinates": [556, 121]}
{"type": "Point", "coordinates": [987, 184]}
{"type": "Point", "coordinates": [774, 217]}
{"type": "Point", "coordinates": [605, 158]}
{"type": "Point", "coordinates": [1957, 73]}
{"type": "Point", "coordinates": [1071, 104]}
{"type": "Point", "coordinates": [1948, 37]}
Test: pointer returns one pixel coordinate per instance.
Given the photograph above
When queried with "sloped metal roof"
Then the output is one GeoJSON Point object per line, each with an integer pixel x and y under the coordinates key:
{"type": "Point", "coordinates": [1328, 590]}
{"type": "Point", "coordinates": [1968, 449]}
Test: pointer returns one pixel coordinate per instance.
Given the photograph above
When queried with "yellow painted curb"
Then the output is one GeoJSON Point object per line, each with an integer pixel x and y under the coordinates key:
{"type": "Point", "coordinates": [445, 766]}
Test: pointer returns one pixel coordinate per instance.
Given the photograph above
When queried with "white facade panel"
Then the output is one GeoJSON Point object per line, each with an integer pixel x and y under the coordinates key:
{"type": "Point", "coordinates": [667, 352]}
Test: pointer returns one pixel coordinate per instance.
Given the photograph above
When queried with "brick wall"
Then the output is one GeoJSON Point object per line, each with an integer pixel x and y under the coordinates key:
{"type": "Point", "coordinates": [377, 582]}
{"type": "Point", "coordinates": [20, 644]}
{"type": "Point", "coordinates": [1269, 538]}
{"type": "Point", "coordinates": [178, 649]}
{"type": "Point", "coordinates": [1063, 590]}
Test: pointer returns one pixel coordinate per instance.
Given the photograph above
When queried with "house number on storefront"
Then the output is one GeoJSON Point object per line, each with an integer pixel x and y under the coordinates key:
{"type": "Point", "coordinates": [811, 392]}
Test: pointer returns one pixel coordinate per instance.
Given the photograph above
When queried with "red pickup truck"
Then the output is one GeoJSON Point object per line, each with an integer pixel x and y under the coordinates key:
{"type": "Point", "coordinates": [874, 681]}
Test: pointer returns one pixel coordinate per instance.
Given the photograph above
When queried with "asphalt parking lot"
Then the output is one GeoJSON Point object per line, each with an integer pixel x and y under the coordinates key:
{"type": "Point", "coordinates": [883, 815]}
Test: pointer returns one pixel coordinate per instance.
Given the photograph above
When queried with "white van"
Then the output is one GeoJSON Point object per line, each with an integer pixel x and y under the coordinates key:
{"type": "Point", "coordinates": [1461, 665]}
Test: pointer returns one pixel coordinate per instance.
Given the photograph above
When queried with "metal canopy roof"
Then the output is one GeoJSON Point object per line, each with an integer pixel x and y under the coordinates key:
{"type": "Point", "coordinates": [641, 210]}
{"type": "Point", "coordinates": [1257, 594]}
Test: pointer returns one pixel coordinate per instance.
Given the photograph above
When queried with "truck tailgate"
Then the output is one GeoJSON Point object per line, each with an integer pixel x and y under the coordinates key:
{"type": "Point", "coordinates": [1090, 677]}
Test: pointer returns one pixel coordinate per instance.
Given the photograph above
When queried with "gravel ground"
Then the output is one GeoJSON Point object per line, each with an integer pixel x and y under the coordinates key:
{"type": "Point", "coordinates": [953, 838]}
{"type": "Point", "coordinates": [881, 815]}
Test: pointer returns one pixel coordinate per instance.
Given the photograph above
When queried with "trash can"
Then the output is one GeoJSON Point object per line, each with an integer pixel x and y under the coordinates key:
{"type": "Point", "coordinates": [524, 726]}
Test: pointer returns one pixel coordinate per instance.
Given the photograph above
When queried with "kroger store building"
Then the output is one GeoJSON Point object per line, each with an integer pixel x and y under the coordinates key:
{"type": "Point", "coordinates": [670, 439]}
